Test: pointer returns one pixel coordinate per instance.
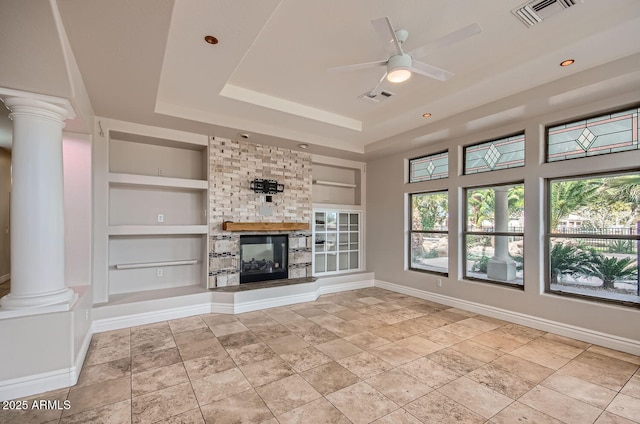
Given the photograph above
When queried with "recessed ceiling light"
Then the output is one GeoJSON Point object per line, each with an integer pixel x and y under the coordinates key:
{"type": "Point", "coordinates": [303, 145]}
{"type": "Point", "coordinates": [243, 135]}
{"type": "Point", "coordinates": [567, 62]}
{"type": "Point", "coordinates": [426, 115]}
{"type": "Point", "coordinates": [211, 39]}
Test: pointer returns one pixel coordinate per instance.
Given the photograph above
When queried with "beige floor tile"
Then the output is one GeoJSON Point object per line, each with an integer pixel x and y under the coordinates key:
{"type": "Point", "coordinates": [520, 413]}
{"type": "Point", "coordinates": [540, 356]}
{"type": "Point", "coordinates": [193, 336]}
{"type": "Point", "coordinates": [429, 372]}
{"type": "Point", "coordinates": [560, 406]}
{"type": "Point", "coordinates": [219, 386]}
{"type": "Point", "coordinates": [193, 416]}
{"type": "Point", "coordinates": [348, 315]}
{"type": "Point", "coordinates": [419, 345]}
{"type": "Point", "coordinates": [157, 379]}
{"type": "Point", "coordinates": [306, 359]}
{"type": "Point", "coordinates": [632, 388]}
{"type": "Point", "coordinates": [108, 338]}
{"type": "Point", "coordinates": [186, 324]}
{"type": "Point", "coordinates": [520, 333]}
{"type": "Point", "coordinates": [455, 361]}
{"type": "Point", "coordinates": [479, 324]}
{"type": "Point", "coordinates": [251, 353]}
{"type": "Point", "coordinates": [395, 354]}
{"type": "Point", "coordinates": [208, 365]}
{"type": "Point", "coordinates": [310, 311]}
{"type": "Point", "coordinates": [399, 386]}
{"type": "Point", "coordinates": [142, 346]}
{"type": "Point", "coordinates": [246, 407]}
{"type": "Point", "coordinates": [501, 381]}
{"type": "Point", "coordinates": [316, 411]}
{"type": "Point", "coordinates": [26, 414]}
{"type": "Point", "coordinates": [361, 403]}
{"type": "Point", "coordinates": [156, 330]}
{"type": "Point", "coordinates": [106, 371]}
{"type": "Point", "coordinates": [477, 351]}
{"type": "Point", "coordinates": [391, 332]}
{"type": "Point", "coordinates": [283, 315]}
{"type": "Point", "coordinates": [286, 344]}
{"type": "Point", "coordinates": [338, 349]}
{"type": "Point", "coordinates": [329, 377]}
{"type": "Point", "coordinates": [365, 365]}
{"type": "Point", "coordinates": [263, 372]}
{"type": "Point", "coordinates": [217, 319]}
{"type": "Point", "coordinates": [269, 331]}
{"type": "Point", "coordinates": [609, 418]}
{"type": "Point", "coordinates": [119, 412]}
{"type": "Point", "coordinates": [201, 348]}
{"type": "Point", "coordinates": [399, 416]}
{"type": "Point", "coordinates": [590, 393]}
{"type": "Point", "coordinates": [228, 328]}
{"type": "Point", "coordinates": [436, 408]}
{"type": "Point", "coordinates": [236, 340]}
{"type": "Point", "coordinates": [627, 357]}
{"type": "Point", "coordinates": [607, 362]}
{"type": "Point", "coordinates": [476, 397]}
{"type": "Point", "coordinates": [450, 315]}
{"type": "Point", "coordinates": [311, 332]}
{"type": "Point", "coordinates": [566, 340]}
{"type": "Point", "coordinates": [497, 340]}
{"type": "Point", "coordinates": [432, 321]}
{"type": "Point", "coordinates": [523, 368]}
{"type": "Point", "coordinates": [98, 395]}
{"type": "Point", "coordinates": [613, 380]}
{"type": "Point", "coordinates": [150, 360]}
{"type": "Point", "coordinates": [367, 340]}
{"type": "Point", "coordinates": [442, 337]}
{"type": "Point", "coordinates": [286, 394]}
{"type": "Point", "coordinates": [163, 404]}
{"type": "Point", "coordinates": [108, 353]}
{"type": "Point", "coordinates": [461, 330]}
{"type": "Point", "coordinates": [556, 347]}
{"type": "Point", "coordinates": [625, 406]}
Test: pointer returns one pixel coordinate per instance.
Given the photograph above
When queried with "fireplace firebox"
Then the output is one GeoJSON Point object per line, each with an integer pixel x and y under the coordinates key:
{"type": "Point", "coordinates": [263, 257]}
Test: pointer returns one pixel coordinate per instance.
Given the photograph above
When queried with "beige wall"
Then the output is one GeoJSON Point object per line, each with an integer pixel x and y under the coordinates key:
{"type": "Point", "coordinates": [387, 235]}
{"type": "Point", "coordinates": [5, 194]}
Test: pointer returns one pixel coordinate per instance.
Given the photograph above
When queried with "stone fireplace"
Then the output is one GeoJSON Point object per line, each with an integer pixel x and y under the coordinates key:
{"type": "Point", "coordinates": [263, 257]}
{"type": "Point", "coordinates": [232, 167]}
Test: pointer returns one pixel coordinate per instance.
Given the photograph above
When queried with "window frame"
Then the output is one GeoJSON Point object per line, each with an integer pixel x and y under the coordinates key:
{"type": "Point", "coordinates": [409, 180]}
{"type": "Point", "coordinates": [411, 231]}
{"type": "Point", "coordinates": [548, 235]}
{"type": "Point", "coordinates": [465, 232]}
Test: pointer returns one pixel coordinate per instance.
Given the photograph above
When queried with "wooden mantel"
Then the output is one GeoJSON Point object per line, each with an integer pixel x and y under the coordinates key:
{"type": "Point", "coordinates": [264, 226]}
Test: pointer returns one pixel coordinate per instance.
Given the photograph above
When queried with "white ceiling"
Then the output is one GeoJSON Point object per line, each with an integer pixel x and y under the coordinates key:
{"type": "Point", "coordinates": [146, 61]}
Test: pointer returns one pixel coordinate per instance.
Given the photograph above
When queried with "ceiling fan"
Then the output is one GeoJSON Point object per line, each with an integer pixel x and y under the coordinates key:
{"type": "Point", "coordinates": [401, 65]}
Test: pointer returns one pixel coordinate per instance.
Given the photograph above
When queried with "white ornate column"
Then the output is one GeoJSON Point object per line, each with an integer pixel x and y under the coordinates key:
{"type": "Point", "coordinates": [501, 267]}
{"type": "Point", "coordinates": [37, 203]}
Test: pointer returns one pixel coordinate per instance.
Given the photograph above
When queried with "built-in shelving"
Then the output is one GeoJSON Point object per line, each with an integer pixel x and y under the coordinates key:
{"type": "Point", "coordinates": [153, 181]}
{"type": "Point", "coordinates": [140, 230]}
{"type": "Point", "coordinates": [334, 184]}
{"type": "Point", "coordinates": [337, 245]}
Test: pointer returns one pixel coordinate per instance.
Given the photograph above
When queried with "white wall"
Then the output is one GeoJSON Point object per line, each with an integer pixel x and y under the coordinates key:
{"type": "Point", "coordinates": [387, 235]}
{"type": "Point", "coordinates": [77, 208]}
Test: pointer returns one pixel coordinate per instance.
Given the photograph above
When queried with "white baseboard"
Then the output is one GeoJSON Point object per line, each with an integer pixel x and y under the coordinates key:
{"type": "Point", "coordinates": [82, 354]}
{"type": "Point", "coordinates": [607, 340]}
{"type": "Point", "coordinates": [108, 324]}
{"type": "Point", "coordinates": [5, 277]}
{"type": "Point", "coordinates": [37, 383]}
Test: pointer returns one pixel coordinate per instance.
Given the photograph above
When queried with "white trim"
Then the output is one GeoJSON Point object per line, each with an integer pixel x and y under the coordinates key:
{"type": "Point", "coordinates": [5, 277]}
{"type": "Point", "coordinates": [274, 302]}
{"type": "Point", "coordinates": [607, 340]}
{"type": "Point", "coordinates": [125, 321]}
{"type": "Point", "coordinates": [82, 354]}
{"type": "Point", "coordinates": [38, 383]}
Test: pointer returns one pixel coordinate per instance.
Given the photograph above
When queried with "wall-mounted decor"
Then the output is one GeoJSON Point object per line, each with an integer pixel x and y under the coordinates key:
{"type": "Point", "coordinates": [266, 186]}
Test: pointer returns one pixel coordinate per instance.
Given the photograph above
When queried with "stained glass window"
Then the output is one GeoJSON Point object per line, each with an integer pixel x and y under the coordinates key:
{"type": "Point", "coordinates": [604, 134]}
{"type": "Point", "coordinates": [432, 167]}
{"type": "Point", "coordinates": [492, 155]}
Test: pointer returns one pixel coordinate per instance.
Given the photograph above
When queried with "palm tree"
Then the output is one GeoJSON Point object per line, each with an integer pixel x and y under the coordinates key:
{"type": "Point", "coordinates": [611, 269]}
{"type": "Point", "coordinates": [568, 196]}
{"type": "Point", "coordinates": [568, 259]}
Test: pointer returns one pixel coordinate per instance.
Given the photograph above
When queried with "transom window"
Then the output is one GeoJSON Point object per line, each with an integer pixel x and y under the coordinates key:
{"type": "Point", "coordinates": [502, 153]}
{"type": "Point", "coordinates": [431, 167]}
{"type": "Point", "coordinates": [429, 232]}
{"type": "Point", "coordinates": [601, 135]}
{"type": "Point", "coordinates": [494, 234]}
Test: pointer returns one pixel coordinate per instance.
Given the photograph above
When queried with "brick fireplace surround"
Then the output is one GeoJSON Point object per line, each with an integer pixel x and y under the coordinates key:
{"type": "Point", "coordinates": [232, 166]}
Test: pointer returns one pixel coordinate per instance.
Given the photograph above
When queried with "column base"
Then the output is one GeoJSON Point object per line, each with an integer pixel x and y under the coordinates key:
{"type": "Point", "coordinates": [12, 301]}
{"type": "Point", "coordinates": [501, 269]}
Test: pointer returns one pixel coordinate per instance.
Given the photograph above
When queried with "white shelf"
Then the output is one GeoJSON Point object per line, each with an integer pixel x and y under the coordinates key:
{"type": "Point", "coordinates": [333, 184]}
{"type": "Point", "coordinates": [153, 181]}
{"type": "Point", "coordinates": [147, 230]}
{"type": "Point", "coordinates": [156, 264]}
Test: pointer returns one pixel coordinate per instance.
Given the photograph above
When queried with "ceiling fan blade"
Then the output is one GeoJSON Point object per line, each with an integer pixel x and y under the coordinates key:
{"type": "Point", "coordinates": [357, 66]}
{"type": "Point", "coordinates": [451, 38]}
{"type": "Point", "coordinates": [387, 35]}
{"type": "Point", "coordinates": [378, 88]}
{"type": "Point", "coordinates": [430, 71]}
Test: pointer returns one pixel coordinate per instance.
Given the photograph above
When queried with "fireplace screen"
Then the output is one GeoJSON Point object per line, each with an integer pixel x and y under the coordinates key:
{"type": "Point", "coordinates": [263, 258]}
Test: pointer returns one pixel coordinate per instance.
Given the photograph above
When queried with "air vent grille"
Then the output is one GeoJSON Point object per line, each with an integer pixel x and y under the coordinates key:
{"type": "Point", "coordinates": [376, 96]}
{"type": "Point", "coordinates": [536, 11]}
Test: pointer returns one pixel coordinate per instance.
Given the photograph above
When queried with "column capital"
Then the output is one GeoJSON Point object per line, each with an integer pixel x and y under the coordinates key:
{"type": "Point", "coordinates": [51, 107]}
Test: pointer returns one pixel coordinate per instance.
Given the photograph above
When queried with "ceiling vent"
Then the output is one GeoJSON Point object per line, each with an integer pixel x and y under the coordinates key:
{"type": "Point", "coordinates": [376, 96]}
{"type": "Point", "coordinates": [536, 11]}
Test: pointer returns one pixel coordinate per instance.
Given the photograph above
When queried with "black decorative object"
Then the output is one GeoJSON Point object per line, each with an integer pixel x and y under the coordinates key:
{"type": "Point", "coordinates": [266, 186]}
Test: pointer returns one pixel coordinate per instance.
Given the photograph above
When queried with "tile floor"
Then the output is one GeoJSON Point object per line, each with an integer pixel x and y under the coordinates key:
{"type": "Point", "coordinates": [362, 356]}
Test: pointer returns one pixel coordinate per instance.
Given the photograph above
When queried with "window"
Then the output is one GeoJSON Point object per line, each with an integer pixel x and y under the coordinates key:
{"type": "Point", "coordinates": [593, 237]}
{"type": "Point", "coordinates": [604, 134]}
{"type": "Point", "coordinates": [432, 167]}
{"type": "Point", "coordinates": [429, 232]}
{"type": "Point", "coordinates": [507, 152]}
{"type": "Point", "coordinates": [494, 234]}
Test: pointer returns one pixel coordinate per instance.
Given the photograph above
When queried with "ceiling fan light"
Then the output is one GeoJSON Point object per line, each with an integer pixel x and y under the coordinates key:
{"type": "Point", "coordinates": [399, 68]}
